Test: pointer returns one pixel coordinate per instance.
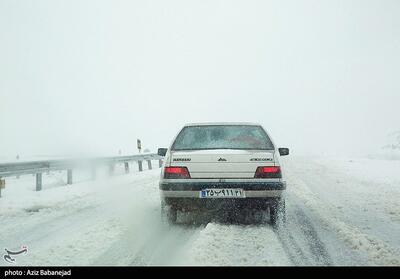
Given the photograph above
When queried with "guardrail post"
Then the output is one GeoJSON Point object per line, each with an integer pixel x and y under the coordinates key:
{"type": "Point", "coordinates": [69, 177]}
{"type": "Point", "coordinates": [126, 167]}
{"type": "Point", "coordinates": [38, 181]}
{"type": "Point", "coordinates": [140, 165]}
{"type": "Point", "coordinates": [149, 164]}
{"type": "Point", "coordinates": [160, 162]}
{"type": "Point", "coordinates": [2, 184]}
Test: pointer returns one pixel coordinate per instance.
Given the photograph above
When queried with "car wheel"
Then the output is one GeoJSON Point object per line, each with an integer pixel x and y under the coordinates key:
{"type": "Point", "coordinates": [168, 214]}
{"type": "Point", "coordinates": [258, 216]}
{"type": "Point", "coordinates": [277, 211]}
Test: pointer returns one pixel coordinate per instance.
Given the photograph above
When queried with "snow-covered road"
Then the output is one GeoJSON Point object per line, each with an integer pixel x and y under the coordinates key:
{"type": "Point", "coordinates": [340, 212]}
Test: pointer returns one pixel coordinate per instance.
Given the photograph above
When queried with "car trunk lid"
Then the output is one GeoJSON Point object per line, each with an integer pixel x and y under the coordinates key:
{"type": "Point", "coordinates": [222, 163]}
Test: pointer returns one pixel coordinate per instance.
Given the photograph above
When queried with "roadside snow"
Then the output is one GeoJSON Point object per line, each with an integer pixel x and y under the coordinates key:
{"type": "Point", "coordinates": [356, 198]}
{"type": "Point", "coordinates": [71, 224]}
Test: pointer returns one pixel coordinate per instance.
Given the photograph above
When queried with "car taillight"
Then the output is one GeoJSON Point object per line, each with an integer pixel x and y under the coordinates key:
{"type": "Point", "coordinates": [268, 172]}
{"type": "Point", "coordinates": [176, 172]}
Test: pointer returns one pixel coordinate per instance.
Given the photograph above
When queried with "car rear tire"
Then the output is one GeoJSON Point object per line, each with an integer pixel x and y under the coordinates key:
{"type": "Point", "coordinates": [168, 214]}
{"type": "Point", "coordinates": [258, 216]}
{"type": "Point", "coordinates": [277, 211]}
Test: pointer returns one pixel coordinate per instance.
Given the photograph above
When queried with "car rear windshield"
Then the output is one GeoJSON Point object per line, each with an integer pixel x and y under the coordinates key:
{"type": "Point", "coordinates": [222, 137]}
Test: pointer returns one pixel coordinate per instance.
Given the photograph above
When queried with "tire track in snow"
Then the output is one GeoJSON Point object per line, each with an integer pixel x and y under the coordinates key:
{"type": "Point", "coordinates": [164, 248]}
{"type": "Point", "coordinates": [292, 249]}
{"type": "Point", "coordinates": [150, 244]}
{"type": "Point", "coordinates": [318, 251]}
{"type": "Point", "coordinates": [300, 239]}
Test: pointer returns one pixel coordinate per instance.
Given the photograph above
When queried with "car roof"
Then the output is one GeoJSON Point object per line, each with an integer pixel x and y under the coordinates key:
{"type": "Point", "coordinates": [222, 123]}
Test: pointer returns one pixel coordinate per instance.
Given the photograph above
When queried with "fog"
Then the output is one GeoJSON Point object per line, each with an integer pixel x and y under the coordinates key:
{"type": "Point", "coordinates": [90, 77]}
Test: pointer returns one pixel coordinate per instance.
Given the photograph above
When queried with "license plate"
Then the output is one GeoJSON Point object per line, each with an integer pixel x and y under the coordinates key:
{"type": "Point", "coordinates": [222, 193]}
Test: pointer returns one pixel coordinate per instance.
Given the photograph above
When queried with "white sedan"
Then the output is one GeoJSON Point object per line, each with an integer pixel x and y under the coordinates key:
{"type": "Point", "coordinates": [224, 166]}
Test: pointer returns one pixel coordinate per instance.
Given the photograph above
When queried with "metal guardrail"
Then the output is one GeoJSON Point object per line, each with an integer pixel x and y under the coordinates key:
{"type": "Point", "coordinates": [39, 167]}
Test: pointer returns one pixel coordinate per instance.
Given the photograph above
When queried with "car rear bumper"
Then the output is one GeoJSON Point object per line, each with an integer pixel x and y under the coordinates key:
{"type": "Point", "coordinates": [196, 194]}
{"type": "Point", "coordinates": [251, 189]}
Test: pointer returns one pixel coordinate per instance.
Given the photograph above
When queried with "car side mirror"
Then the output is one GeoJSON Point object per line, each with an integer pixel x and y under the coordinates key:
{"type": "Point", "coordinates": [283, 151]}
{"type": "Point", "coordinates": [162, 151]}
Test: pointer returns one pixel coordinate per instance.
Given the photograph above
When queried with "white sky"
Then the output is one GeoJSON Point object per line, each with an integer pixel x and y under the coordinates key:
{"type": "Point", "coordinates": [93, 76]}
